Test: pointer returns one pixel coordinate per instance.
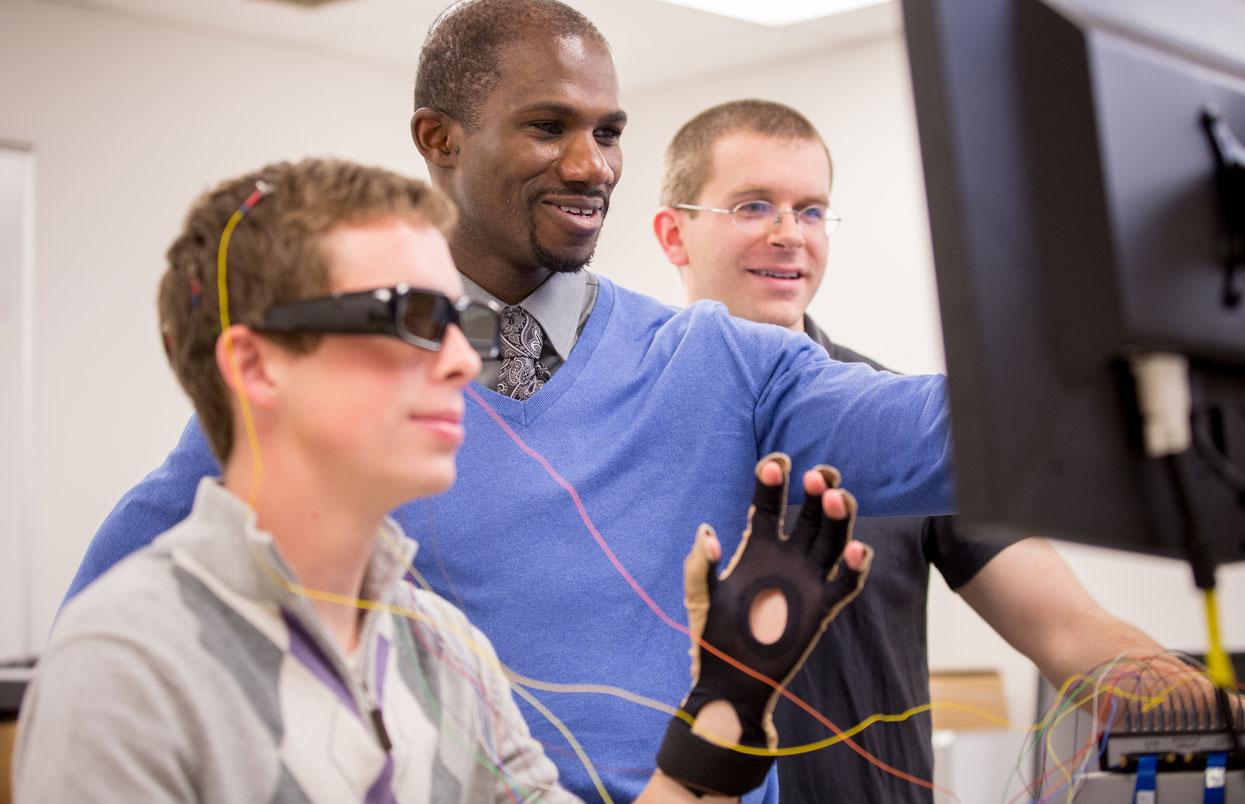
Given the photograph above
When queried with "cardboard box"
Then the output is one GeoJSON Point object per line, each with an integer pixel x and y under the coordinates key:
{"type": "Point", "coordinates": [8, 733]}
{"type": "Point", "coordinates": [979, 688]}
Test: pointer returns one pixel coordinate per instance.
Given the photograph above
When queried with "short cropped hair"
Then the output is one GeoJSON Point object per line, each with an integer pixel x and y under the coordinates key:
{"type": "Point", "coordinates": [275, 255]}
{"type": "Point", "coordinates": [458, 65]}
{"type": "Point", "coordinates": [689, 157]}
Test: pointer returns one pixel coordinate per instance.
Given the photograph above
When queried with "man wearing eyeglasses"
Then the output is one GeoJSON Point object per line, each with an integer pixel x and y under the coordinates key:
{"type": "Point", "coordinates": [746, 219]}
{"type": "Point", "coordinates": [634, 406]}
{"type": "Point", "coordinates": [759, 230]}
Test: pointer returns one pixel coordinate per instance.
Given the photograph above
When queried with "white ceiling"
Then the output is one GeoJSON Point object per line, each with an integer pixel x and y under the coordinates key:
{"type": "Point", "coordinates": [654, 42]}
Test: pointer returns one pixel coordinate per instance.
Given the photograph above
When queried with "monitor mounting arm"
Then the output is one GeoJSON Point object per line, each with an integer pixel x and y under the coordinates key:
{"type": "Point", "coordinates": [1230, 180]}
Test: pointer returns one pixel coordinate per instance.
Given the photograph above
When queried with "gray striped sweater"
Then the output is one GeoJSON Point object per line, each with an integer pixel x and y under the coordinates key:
{"type": "Point", "coordinates": [188, 673]}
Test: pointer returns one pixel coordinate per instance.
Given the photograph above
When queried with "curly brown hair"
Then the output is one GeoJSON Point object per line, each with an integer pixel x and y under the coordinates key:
{"type": "Point", "coordinates": [275, 255]}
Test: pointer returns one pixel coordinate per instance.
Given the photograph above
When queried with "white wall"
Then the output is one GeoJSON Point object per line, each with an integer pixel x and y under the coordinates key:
{"type": "Point", "coordinates": [131, 120]}
{"type": "Point", "coordinates": [16, 274]}
{"type": "Point", "coordinates": [860, 99]}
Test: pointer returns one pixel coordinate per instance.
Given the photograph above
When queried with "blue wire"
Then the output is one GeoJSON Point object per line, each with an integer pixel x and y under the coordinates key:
{"type": "Point", "coordinates": [1102, 748]}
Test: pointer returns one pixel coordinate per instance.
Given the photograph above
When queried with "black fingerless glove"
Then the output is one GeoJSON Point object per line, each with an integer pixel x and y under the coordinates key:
{"type": "Point", "coordinates": [806, 569]}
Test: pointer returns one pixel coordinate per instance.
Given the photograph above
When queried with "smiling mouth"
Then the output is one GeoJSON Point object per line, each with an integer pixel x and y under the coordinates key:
{"type": "Point", "coordinates": [580, 212]}
{"type": "Point", "coordinates": [583, 211]}
{"type": "Point", "coordinates": [775, 274]}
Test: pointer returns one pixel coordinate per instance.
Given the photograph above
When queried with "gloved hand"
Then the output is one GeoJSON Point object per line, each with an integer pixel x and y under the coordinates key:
{"type": "Point", "coordinates": [808, 570]}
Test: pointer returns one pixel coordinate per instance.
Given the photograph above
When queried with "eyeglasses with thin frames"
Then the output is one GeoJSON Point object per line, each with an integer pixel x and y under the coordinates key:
{"type": "Point", "coordinates": [415, 315]}
{"type": "Point", "coordinates": [755, 217]}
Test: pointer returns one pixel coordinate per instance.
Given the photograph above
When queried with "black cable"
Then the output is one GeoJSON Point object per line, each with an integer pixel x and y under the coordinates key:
{"type": "Point", "coordinates": [1219, 463]}
{"type": "Point", "coordinates": [1229, 723]}
{"type": "Point", "coordinates": [1199, 557]}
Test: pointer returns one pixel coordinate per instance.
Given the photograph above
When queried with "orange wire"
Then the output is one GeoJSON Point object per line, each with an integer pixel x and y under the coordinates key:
{"type": "Point", "coordinates": [677, 626]}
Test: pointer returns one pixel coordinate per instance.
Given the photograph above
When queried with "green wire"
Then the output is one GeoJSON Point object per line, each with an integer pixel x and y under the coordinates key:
{"type": "Point", "coordinates": [487, 763]}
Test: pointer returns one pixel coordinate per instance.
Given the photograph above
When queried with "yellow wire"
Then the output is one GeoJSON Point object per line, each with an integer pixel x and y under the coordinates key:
{"type": "Point", "coordinates": [1050, 743]}
{"type": "Point", "coordinates": [1219, 666]}
{"type": "Point", "coordinates": [603, 689]}
{"type": "Point", "coordinates": [881, 718]}
{"type": "Point", "coordinates": [617, 692]}
{"type": "Point", "coordinates": [464, 636]}
{"type": "Point", "coordinates": [1149, 702]}
{"type": "Point", "coordinates": [222, 293]}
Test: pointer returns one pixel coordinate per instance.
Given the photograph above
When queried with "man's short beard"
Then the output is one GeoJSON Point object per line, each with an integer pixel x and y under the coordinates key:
{"type": "Point", "coordinates": [550, 261]}
{"type": "Point", "coordinates": [559, 265]}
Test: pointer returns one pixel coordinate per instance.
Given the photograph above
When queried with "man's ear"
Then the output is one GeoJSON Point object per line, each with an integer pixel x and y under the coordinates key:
{"type": "Point", "coordinates": [670, 236]}
{"type": "Point", "coordinates": [437, 136]}
{"type": "Point", "coordinates": [244, 360]}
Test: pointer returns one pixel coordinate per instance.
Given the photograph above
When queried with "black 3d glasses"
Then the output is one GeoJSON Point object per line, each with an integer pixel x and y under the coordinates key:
{"type": "Point", "coordinates": [415, 315]}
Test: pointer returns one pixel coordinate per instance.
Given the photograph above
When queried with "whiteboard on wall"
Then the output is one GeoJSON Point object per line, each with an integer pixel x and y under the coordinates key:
{"type": "Point", "coordinates": [16, 294]}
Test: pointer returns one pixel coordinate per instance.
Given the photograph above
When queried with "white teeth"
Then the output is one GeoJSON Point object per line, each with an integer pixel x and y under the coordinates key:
{"type": "Point", "coordinates": [779, 274]}
{"type": "Point", "coordinates": [586, 213]}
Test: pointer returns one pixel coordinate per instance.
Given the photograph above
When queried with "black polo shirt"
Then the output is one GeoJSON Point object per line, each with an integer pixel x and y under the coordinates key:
{"type": "Point", "coordinates": [873, 658]}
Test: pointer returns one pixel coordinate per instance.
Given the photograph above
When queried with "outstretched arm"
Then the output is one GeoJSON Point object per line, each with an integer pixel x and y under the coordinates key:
{"type": "Point", "coordinates": [1030, 596]}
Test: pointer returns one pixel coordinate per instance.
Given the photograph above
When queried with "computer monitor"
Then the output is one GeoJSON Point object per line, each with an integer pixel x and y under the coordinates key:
{"type": "Point", "coordinates": [1077, 220]}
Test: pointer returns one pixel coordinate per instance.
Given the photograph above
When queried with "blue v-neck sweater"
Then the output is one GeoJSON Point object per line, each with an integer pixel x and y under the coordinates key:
{"type": "Point", "coordinates": [657, 419]}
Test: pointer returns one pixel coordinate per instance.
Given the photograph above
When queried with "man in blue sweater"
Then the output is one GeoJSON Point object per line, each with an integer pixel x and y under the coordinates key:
{"type": "Point", "coordinates": [745, 217]}
{"type": "Point", "coordinates": [562, 538]}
